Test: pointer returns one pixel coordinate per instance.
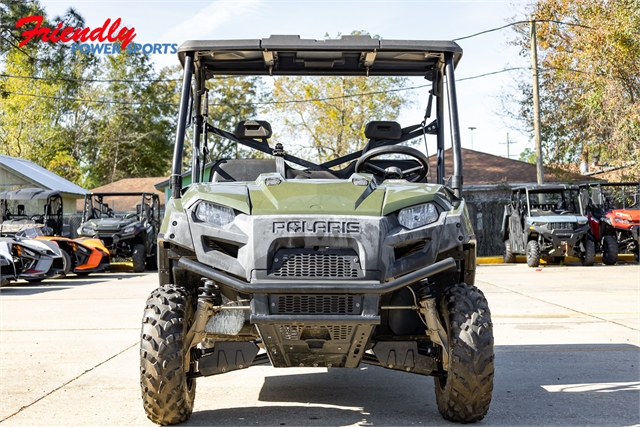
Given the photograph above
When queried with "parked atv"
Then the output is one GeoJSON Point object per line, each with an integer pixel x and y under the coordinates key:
{"type": "Point", "coordinates": [39, 208]}
{"type": "Point", "coordinates": [8, 270]}
{"type": "Point", "coordinates": [29, 259]}
{"type": "Point", "coordinates": [286, 261]}
{"type": "Point", "coordinates": [613, 210]}
{"type": "Point", "coordinates": [546, 220]}
{"type": "Point", "coordinates": [130, 235]}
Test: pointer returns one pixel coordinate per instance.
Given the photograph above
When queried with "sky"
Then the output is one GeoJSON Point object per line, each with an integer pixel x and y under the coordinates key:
{"type": "Point", "coordinates": [479, 105]}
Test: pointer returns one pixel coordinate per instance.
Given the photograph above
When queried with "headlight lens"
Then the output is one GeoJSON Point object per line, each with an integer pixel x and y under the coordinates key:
{"type": "Point", "coordinates": [417, 216]}
{"type": "Point", "coordinates": [87, 230]}
{"type": "Point", "coordinates": [129, 229]}
{"type": "Point", "coordinates": [214, 214]}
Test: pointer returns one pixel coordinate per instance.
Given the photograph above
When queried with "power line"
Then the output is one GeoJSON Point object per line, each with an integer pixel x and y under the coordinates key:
{"type": "Point", "coordinates": [69, 79]}
{"type": "Point", "coordinates": [291, 101]}
{"type": "Point", "coordinates": [511, 24]}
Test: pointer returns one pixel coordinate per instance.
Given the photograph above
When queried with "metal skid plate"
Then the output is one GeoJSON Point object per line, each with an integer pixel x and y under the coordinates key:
{"type": "Point", "coordinates": [404, 356]}
{"type": "Point", "coordinates": [227, 356]}
{"type": "Point", "coordinates": [315, 344]}
{"type": "Point", "coordinates": [315, 339]}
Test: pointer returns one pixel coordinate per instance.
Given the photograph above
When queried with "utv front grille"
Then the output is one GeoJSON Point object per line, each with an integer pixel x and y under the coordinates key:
{"type": "Point", "coordinates": [561, 225]}
{"type": "Point", "coordinates": [308, 263]}
{"type": "Point", "coordinates": [316, 304]}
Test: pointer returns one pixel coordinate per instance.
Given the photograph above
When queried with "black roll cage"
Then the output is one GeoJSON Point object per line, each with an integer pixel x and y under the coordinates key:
{"type": "Point", "coordinates": [52, 215]}
{"type": "Point", "coordinates": [198, 67]}
{"type": "Point", "coordinates": [98, 199]}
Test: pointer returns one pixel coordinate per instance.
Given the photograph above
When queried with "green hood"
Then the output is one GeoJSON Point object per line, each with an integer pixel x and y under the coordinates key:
{"type": "Point", "coordinates": [319, 197]}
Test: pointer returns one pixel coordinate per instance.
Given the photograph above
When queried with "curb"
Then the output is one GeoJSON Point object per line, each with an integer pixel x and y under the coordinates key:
{"type": "Point", "coordinates": [523, 259]}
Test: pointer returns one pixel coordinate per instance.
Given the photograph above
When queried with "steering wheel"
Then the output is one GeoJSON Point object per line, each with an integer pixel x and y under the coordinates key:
{"type": "Point", "coordinates": [415, 174]}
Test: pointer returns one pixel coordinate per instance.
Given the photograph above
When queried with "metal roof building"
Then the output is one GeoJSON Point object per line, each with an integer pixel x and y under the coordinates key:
{"type": "Point", "coordinates": [18, 173]}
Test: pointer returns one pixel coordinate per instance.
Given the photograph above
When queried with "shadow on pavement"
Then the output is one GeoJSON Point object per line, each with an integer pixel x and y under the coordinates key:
{"type": "Point", "coordinates": [534, 386]}
{"type": "Point", "coordinates": [22, 287]}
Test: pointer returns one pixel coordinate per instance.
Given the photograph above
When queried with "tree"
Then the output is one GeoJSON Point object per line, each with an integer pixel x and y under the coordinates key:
{"type": "Point", "coordinates": [38, 106]}
{"type": "Point", "coordinates": [330, 113]}
{"type": "Point", "coordinates": [589, 56]}
{"type": "Point", "coordinates": [131, 135]}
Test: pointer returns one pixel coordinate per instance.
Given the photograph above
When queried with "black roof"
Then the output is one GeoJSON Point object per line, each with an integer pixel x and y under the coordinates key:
{"type": "Point", "coordinates": [123, 194]}
{"type": "Point", "coordinates": [348, 55]}
{"type": "Point", "coordinates": [543, 188]}
{"type": "Point", "coordinates": [28, 194]}
{"type": "Point", "coordinates": [613, 184]}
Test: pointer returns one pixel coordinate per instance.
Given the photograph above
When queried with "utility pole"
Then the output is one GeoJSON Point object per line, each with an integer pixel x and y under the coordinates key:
{"type": "Point", "coordinates": [536, 102]}
{"type": "Point", "coordinates": [472, 128]}
{"type": "Point", "coordinates": [508, 144]}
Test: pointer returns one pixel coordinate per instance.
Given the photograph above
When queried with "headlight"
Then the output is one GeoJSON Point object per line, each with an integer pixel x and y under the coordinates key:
{"type": "Point", "coordinates": [582, 222]}
{"type": "Point", "coordinates": [541, 224]}
{"type": "Point", "coordinates": [214, 214]}
{"type": "Point", "coordinates": [129, 229]}
{"type": "Point", "coordinates": [623, 221]}
{"type": "Point", "coordinates": [87, 230]}
{"type": "Point", "coordinates": [417, 216]}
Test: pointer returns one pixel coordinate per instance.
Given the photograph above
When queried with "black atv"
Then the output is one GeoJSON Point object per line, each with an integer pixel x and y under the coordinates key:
{"type": "Point", "coordinates": [127, 235]}
{"type": "Point", "coordinates": [546, 220]}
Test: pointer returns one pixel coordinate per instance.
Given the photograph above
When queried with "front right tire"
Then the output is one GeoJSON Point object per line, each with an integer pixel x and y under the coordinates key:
{"type": "Point", "coordinates": [589, 256]}
{"type": "Point", "coordinates": [464, 394]}
{"type": "Point", "coordinates": [138, 257]}
{"type": "Point", "coordinates": [533, 253]}
{"type": "Point", "coordinates": [167, 393]}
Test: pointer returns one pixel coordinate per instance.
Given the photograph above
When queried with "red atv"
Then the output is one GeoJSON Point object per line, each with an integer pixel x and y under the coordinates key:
{"type": "Point", "coordinates": [613, 210]}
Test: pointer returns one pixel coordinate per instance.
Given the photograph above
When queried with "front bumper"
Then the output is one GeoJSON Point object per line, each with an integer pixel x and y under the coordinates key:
{"type": "Point", "coordinates": [561, 242]}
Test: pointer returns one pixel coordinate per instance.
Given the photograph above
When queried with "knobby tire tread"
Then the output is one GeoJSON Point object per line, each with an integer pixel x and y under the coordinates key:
{"type": "Point", "coordinates": [533, 253]}
{"type": "Point", "coordinates": [466, 393]}
{"type": "Point", "coordinates": [167, 395]}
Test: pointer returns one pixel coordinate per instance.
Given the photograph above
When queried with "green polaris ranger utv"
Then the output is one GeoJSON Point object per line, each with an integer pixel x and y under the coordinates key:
{"type": "Point", "coordinates": [283, 261]}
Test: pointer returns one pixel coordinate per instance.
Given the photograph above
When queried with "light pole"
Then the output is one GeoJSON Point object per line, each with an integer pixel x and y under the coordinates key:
{"type": "Point", "coordinates": [472, 128]}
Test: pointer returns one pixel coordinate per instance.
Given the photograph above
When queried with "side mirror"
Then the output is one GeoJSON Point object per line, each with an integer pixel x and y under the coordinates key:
{"type": "Point", "coordinates": [248, 129]}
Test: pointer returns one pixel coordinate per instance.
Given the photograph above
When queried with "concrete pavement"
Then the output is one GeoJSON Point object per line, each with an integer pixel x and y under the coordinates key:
{"type": "Point", "coordinates": [567, 353]}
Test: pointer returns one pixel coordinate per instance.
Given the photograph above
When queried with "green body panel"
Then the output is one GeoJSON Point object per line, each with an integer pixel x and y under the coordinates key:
{"type": "Point", "coordinates": [320, 197]}
{"type": "Point", "coordinates": [309, 197]}
{"type": "Point", "coordinates": [230, 194]}
{"type": "Point", "coordinates": [402, 194]}
{"type": "Point", "coordinates": [172, 205]}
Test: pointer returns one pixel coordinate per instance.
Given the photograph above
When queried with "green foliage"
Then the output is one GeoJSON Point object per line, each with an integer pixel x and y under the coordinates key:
{"type": "Point", "coordinates": [88, 131]}
{"type": "Point", "coordinates": [528, 155]}
{"type": "Point", "coordinates": [231, 100]}
{"type": "Point", "coordinates": [130, 137]}
{"type": "Point", "coordinates": [333, 124]}
{"type": "Point", "coordinates": [590, 80]}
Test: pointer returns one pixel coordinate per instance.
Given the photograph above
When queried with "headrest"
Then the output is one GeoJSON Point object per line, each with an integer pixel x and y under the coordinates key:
{"type": "Point", "coordinates": [247, 129]}
{"type": "Point", "coordinates": [381, 130]}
